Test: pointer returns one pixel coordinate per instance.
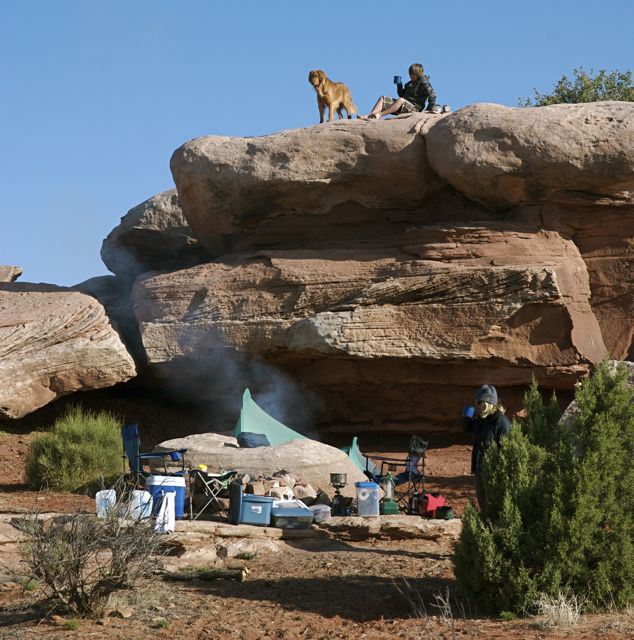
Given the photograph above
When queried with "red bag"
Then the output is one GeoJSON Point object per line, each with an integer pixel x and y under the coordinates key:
{"type": "Point", "coordinates": [427, 503]}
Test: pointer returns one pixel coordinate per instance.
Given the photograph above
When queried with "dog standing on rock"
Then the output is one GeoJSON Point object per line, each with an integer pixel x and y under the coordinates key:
{"type": "Point", "coordinates": [334, 95]}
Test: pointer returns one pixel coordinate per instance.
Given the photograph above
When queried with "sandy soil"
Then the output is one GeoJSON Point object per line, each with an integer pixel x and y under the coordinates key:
{"type": "Point", "coordinates": [314, 589]}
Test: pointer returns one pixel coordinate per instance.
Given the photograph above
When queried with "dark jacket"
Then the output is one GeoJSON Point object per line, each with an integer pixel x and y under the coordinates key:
{"type": "Point", "coordinates": [487, 431]}
{"type": "Point", "coordinates": [418, 92]}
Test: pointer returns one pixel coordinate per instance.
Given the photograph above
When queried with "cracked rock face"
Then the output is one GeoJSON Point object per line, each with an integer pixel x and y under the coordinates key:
{"type": "Point", "coordinates": [54, 342]}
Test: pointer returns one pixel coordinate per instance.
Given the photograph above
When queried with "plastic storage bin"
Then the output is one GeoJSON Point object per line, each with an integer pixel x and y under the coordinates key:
{"type": "Point", "coordinates": [245, 508]}
{"type": "Point", "coordinates": [321, 512]}
{"type": "Point", "coordinates": [368, 494]}
{"type": "Point", "coordinates": [157, 485]}
{"type": "Point", "coordinates": [291, 514]}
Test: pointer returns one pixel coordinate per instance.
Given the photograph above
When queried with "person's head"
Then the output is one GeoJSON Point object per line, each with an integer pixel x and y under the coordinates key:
{"type": "Point", "coordinates": [486, 398]}
{"type": "Point", "coordinates": [416, 71]}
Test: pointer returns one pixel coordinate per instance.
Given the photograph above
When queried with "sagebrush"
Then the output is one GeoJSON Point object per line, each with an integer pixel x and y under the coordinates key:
{"type": "Point", "coordinates": [559, 505]}
{"type": "Point", "coordinates": [81, 560]}
{"type": "Point", "coordinates": [81, 450]}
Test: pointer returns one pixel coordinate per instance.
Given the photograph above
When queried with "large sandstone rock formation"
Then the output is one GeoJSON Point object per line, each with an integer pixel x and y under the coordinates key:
{"type": "Point", "coordinates": [391, 266]}
{"type": "Point", "coordinates": [54, 341]}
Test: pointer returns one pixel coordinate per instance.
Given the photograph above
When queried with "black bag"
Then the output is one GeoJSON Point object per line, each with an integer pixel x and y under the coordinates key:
{"type": "Point", "coordinates": [252, 440]}
{"type": "Point", "coordinates": [445, 513]}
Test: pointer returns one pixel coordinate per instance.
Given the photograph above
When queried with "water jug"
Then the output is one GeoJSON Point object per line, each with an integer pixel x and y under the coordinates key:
{"type": "Point", "coordinates": [105, 501]}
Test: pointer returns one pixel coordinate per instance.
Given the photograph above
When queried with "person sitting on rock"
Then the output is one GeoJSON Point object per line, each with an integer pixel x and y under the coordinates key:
{"type": "Point", "coordinates": [412, 96]}
{"type": "Point", "coordinates": [488, 425]}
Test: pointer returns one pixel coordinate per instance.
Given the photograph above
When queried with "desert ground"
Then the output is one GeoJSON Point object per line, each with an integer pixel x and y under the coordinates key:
{"type": "Point", "coordinates": [327, 586]}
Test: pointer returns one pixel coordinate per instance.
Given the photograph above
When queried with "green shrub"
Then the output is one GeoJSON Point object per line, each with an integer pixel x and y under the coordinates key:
{"type": "Point", "coordinates": [586, 87]}
{"type": "Point", "coordinates": [560, 506]}
{"type": "Point", "coordinates": [81, 449]}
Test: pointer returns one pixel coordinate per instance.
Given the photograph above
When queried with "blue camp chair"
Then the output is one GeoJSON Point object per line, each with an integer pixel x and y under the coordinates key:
{"type": "Point", "coordinates": [131, 439]}
{"type": "Point", "coordinates": [411, 477]}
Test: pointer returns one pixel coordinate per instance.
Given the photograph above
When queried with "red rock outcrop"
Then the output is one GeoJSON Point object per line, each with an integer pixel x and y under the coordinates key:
{"type": "Point", "coordinates": [54, 341]}
{"type": "Point", "coordinates": [392, 266]}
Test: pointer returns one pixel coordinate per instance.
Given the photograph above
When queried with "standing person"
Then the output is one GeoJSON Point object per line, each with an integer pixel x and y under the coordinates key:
{"type": "Point", "coordinates": [412, 96]}
{"type": "Point", "coordinates": [488, 425]}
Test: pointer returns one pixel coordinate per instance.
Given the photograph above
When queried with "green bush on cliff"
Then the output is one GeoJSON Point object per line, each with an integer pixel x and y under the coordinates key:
{"type": "Point", "coordinates": [586, 87]}
{"type": "Point", "coordinates": [82, 448]}
{"type": "Point", "coordinates": [560, 506]}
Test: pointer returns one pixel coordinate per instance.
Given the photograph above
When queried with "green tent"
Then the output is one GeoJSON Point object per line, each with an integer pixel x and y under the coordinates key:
{"type": "Point", "coordinates": [360, 461]}
{"type": "Point", "coordinates": [253, 419]}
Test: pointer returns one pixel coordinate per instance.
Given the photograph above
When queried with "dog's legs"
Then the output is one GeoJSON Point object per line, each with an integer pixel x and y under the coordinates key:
{"type": "Point", "coordinates": [331, 111]}
{"type": "Point", "coordinates": [322, 106]}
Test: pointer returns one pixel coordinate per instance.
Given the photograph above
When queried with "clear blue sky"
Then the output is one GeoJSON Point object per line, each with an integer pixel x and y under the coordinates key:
{"type": "Point", "coordinates": [96, 94]}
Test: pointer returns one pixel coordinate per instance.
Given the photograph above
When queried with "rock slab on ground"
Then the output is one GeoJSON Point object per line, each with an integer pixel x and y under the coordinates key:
{"type": "Point", "coordinates": [308, 459]}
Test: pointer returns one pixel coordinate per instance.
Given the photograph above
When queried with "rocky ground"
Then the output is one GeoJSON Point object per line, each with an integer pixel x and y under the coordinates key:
{"type": "Point", "coordinates": [324, 586]}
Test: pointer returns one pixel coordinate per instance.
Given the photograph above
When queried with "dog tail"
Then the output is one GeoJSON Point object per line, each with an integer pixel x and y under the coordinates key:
{"type": "Point", "coordinates": [352, 109]}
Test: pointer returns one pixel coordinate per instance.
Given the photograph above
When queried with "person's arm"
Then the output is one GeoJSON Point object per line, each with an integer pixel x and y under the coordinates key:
{"type": "Point", "coordinates": [400, 90]}
{"type": "Point", "coordinates": [425, 93]}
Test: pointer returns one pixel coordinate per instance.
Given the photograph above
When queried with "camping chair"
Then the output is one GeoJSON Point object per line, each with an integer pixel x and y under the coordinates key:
{"type": "Point", "coordinates": [137, 461]}
{"type": "Point", "coordinates": [208, 487]}
{"type": "Point", "coordinates": [411, 479]}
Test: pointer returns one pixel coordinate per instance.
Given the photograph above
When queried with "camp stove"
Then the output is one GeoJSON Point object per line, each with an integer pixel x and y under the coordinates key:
{"type": "Point", "coordinates": [341, 506]}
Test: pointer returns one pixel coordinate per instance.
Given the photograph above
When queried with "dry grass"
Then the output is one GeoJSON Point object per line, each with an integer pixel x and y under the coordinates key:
{"type": "Point", "coordinates": [559, 610]}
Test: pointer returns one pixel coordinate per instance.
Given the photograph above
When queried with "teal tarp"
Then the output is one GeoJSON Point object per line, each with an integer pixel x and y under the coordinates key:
{"type": "Point", "coordinates": [359, 460]}
{"type": "Point", "coordinates": [253, 419]}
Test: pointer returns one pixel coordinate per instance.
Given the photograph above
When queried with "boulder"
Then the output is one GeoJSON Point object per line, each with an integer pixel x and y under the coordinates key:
{"type": "Point", "coordinates": [9, 273]}
{"type": "Point", "coordinates": [53, 342]}
{"type": "Point", "coordinates": [308, 459]}
{"type": "Point", "coordinates": [231, 187]}
{"type": "Point", "coordinates": [503, 157]}
{"type": "Point", "coordinates": [249, 547]}
{"type": "Point", "coordinates": [154, 235]}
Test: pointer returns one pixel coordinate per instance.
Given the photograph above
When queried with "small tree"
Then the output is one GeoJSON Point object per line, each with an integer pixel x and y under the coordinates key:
{"type": "Point", "coordinates": [586, 87]}
{"type": "Point", "coordinates": [81, 450]}
{"type": "Point", "coordinates": [560, 504]}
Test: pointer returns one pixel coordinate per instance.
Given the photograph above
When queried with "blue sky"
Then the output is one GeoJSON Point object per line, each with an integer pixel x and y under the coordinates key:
{"type": "Point", "coordinates": [95, 95]}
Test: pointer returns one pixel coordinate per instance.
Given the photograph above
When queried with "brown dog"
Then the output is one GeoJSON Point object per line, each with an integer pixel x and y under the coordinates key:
{"type": "Point", "coordinates": [334, 95]}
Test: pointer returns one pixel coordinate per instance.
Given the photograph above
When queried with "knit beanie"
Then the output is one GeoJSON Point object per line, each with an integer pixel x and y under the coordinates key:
{"type": "Point", "coordinates": [487, 393]}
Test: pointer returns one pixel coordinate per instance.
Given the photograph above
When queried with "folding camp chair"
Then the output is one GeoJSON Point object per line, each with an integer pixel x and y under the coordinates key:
{"type": "Point", "coordinates": [137, 461]}
{"type": "Point", "coordinates": [411, 479]}
{"type": "Point", "coordinates": [207, 487]}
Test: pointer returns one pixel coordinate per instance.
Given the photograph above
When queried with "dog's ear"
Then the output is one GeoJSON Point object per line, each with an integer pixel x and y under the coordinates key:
{"type": "Point", "coordinates": [321, 75]}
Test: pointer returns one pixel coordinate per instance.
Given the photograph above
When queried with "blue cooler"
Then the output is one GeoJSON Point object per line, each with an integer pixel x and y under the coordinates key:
{"type": "Point", "coordinates": [245, 508]}
{"type": "Point", "coordinates": [157, 485]}
{"type": "Point", "coordinates": [291, 514]}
